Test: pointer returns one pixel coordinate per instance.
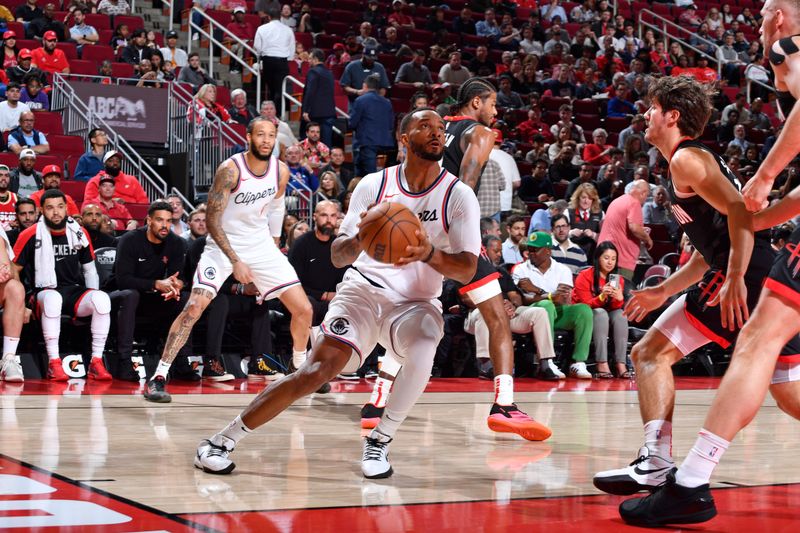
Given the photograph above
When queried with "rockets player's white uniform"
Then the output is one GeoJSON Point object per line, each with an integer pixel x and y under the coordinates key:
{"type": "Point", "coordinates": [398, 306]}
{"type": "Point", "coordinates": [245, 221]}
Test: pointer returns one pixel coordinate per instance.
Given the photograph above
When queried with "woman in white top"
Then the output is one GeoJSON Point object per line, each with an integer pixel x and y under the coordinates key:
{"type": "Point", "coordinates": [287, 18]}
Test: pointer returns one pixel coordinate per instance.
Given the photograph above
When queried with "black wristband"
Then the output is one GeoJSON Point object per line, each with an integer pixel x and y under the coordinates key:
{"type": "Point", "coordinates": [430, 255]}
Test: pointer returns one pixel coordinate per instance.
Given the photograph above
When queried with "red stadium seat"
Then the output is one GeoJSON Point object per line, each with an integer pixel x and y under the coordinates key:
{"type": "Point", "coordinates": [134, 23]}
{"type": "Point", "coordinates": [122, 70]}
{"type": "Point", "coordinates": [48, 122]}
{"type": "Point", "coordinates": [138, 211]}
{"type": "Point", "coordinates": [44, 160]}
{"type": "Point", "coordinates": [99, 21]}
{"type": "Point", "coordinates": [70, 50]}
{"type": "Point", "coordinates": [82, 67]}
{"type": "Point", "coordinates": [67, 144]}
{"type": "Point", "coordinates": [98, 53]}
{"type": "Point", "coordinates": [75, 189]}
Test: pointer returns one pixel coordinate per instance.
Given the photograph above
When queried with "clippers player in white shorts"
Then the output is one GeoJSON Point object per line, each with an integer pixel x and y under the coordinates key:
{"type": "Point", "coordinates": [767, 348]}
{"type": "Point", "coordinates": [395, 305]}
{"type": "Point", "coordinates": [245, 206]}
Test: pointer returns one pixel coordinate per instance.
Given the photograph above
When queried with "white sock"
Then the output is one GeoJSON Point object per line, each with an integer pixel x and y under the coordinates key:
{"type": "Point", "coordinates": [162, 369]}
{"type": "Point", "coordinates": [298, 358]}
{"type": "Point", "coordinates": [658, 438]}
{"type": "Point", "coordinates": [51, 346]}
{"type": "Point", "coordinates": [10, 346]}
{"type": "Point", "coordinates": [704, 456]}
{"type": "Point", "coordinates": [380, 393]}
{"type": "Point", "coordinates": [504, 389]}
{"type": "Point", "coordinates": [236, 430]}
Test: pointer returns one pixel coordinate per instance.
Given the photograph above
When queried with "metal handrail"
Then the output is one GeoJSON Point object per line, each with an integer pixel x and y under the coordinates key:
{"type": "Point", "coordinates": [663, 30]}
{"type": "Point", "coordinates": [255, 68]}
{"type": "Point", "coordinates": [78, 119]}
{"type": "Point", "coordinates": [288, 96]}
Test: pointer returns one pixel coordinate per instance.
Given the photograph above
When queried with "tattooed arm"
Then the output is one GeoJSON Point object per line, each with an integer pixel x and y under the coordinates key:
{"type": "Point", "coordinates": [479, 143]}
{"type": "Point", "coordinates": [225, 181]}
{"type": "Point", "coordinates": [345, 250]}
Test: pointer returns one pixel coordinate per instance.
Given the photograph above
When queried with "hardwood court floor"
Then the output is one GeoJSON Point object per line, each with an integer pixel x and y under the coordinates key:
{"type": "Point", "coordinates": [89, 457]}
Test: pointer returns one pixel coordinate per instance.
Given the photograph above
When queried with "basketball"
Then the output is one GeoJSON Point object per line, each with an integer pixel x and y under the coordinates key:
{"type": "Point", "coordinates": [386, 230]}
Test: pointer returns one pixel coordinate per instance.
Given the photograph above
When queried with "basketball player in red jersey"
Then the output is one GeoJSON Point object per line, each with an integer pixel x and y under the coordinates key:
{"type": "Point", "coordinates": [394, 305]}
{"type": "Point", "coordinates": [775, 320]}
{"type": "Point", "coordinates": [245, 205]}
{"type": "Point", "coordinates": [468, 144]}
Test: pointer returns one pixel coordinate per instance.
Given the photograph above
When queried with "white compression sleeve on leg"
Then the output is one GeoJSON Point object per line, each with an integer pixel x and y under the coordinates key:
{"type": "Point", "coordinates": [277, 211]}
{"type": "Point", "coordinates": [97, 304]}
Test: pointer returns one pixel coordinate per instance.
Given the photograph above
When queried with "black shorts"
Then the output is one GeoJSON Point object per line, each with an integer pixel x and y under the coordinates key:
{"type": "Point", "coordinates": [708, 319]}
{"type": "Point", "coordinates": [479, 288]}
{"type": "Point", "coordinates": [784, 277]}
{"type": "Point", "coordinates": [71, 297]}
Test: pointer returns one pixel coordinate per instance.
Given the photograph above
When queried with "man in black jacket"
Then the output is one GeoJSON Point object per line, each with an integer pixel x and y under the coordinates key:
{"type": "Point", "coordinates": [318, 100]}
{"type": "Point", "coordinates": [146, 278]}
{"type": "Point", "coordinates": [136, 51]}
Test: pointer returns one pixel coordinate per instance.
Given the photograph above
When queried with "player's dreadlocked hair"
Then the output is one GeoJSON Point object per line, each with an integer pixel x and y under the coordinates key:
{"type": "Point", "coordinates": [471, 88]}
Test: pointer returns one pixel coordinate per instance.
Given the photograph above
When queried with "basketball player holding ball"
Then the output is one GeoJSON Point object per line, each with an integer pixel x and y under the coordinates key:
{"type": "Point", "coordinates": [392, 304]}
{"type": "Point", "coordinates": [468, 144]}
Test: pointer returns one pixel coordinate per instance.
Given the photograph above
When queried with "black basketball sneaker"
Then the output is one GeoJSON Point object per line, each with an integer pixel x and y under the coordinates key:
{"type": "Point", "coordinates": [670, 504]}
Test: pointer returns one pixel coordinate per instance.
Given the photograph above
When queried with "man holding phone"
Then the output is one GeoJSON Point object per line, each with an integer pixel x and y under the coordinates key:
{"type": "Point", "coordinates": [548, 284]}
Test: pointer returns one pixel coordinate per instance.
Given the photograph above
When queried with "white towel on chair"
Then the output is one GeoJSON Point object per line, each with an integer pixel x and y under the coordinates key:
{"type": "Point", "coordinates": [44, 256]}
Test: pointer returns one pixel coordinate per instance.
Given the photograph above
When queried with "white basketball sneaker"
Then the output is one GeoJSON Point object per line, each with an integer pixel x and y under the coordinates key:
{"type": "Point", "coordinates": [212, 455]}
{"type": "Point", "coordinates": [375, 462]}
{"type": "Point", "coordinates": [647, 472]}
{"type": "Point", "coordinates": [11, 370]}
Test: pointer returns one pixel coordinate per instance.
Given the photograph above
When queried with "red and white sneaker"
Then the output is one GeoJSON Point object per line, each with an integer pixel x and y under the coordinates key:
{"type": "Point", "coordinates": [55, 372]}
{"type": "Point", "coordinates": [370, 416]}
{"type": "Point", "coordinates": [509, 419]}
{"type": "Point", "coordinates": [97, 370]}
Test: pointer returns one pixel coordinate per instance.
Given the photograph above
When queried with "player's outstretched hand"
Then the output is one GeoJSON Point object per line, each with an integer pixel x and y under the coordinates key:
{"type": "Point", "coordinates": [644, 301]}
{"type": "Point", "coordinates": [755, 193]}
{"type": "Point", "coordinates": [422, 252]}
{"type": "Point", "coordinates": [242, 273]}
{"type": "Point", "coordinates": [732, 301]}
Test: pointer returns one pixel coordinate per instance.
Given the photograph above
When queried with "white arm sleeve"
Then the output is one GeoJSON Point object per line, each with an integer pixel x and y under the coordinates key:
{"type": "Point", "coordinates": [277, 212]}
{"type": "Point", "coordinates": [464, 221]}
{"type": "Point", "coordinates": [90, 277]}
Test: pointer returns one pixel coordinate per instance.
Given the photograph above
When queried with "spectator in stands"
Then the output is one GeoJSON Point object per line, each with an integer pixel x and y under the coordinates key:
{"type": "Point", "coordinates": [114, 7]}
{"type": "Point", "coordinates": [194, 74]}
{"type": "Point", "coordinates": [516, 230]}
{"type": "Point", "coordinates": [26, 136]}
{"type": "Point", "coordinates": [739, 133]}
{"type": "Point", "coordinates": [390, 45]}
{"type": "Point", "coordinates": [731, 62]}
{"type": "Point", "coordinates": [146, 278]}
{"type": "Point", "coordinates": [565, 120]}
{"type": "Point", "coordinates": [28, 12]}
{"type": "Point", "coordinates": [355, 74]}
{"type": "Point", "coordinates": [33, 96]}
{"type": "Point", "coordinates": [315, 153]}
{"type": "Point", "coordinates": [26, 216]}
{"type": "Point", "coordinates": [318, 97]}
{"type": "Point", "coordinates": [8, 51]}
{"type": "Point", "coordinates": [120, 216]}
{"type": "Point", "coordinates": [740, 106]}
{"type": "Point", "coordinates": [585, 214]}
{"type": "Point", "coordinates": [548, 284]}
{"type": "Point", "coordinates": [121, 38]}
{"type": "Point", "coordinates": [48, 58]}
{"type": "Point", "coordinates": [481, 65]}
{"type": "Point", "coordinates": [436, 20]}
{"type": "Point", "coordinates": [275, 45]}
{"type": "Point", "coordinates": [285, 135]}
{"type": "Point", "coordinates": [374, 15]}
{"type": "Point", "coordinates": [637, 127]}
{"type": "Point", "coordinates": [336, 165]}
{"type": "Point", "coordinates": [554, 12]}
{"type": "Point", "coordinates": [303, 178]}
{"type": "Point", "coordinates": [137, 50]}
{"type": "Point", "coordinates": [563, 168]}
{"type": "Point", "coordinates": [51, 179]}
{"type": "Point", "coordinates": [127, 188]}
{"type": "Point", "coordinates": [564, 250]}
{"type": "Point", "coordinates": [164, 71]}
{"type": "Point", "coordinates": [509, 177]}
{"type": "Point", "coordinates": [242, 30]}
{"type": "Point", "coordinates": [620, 105]}
{"type": "Point", "coordinates": [310, 255]}
{"type": "Point", "coordinates": [624, 227]}
{"type": "Point", "coordinates": [207, 107]}
{"type": "Point", "coordinates": [584, 176]}
{"type": "Point", "coordinates": [40, 26]}
{"type": "Point", "coordinates": [541, 219]}
{"type": "Point", "coordinates": [240, 111]}
{"type": "Point", "coordinates": [197, 225]}
{"type": "Point", "coordinates": [507, 39]}
{"type": "Point", "coordinates": [537, 187]}
{"type": "Point", "coordinates": [146, 76]}
{"type": "Point", "coordinates": [464, 23]}
{"type": "Point", "coordinates": [329, 186]}
{"type": "Point", "coordinates": [534, 126]}
{"type": "Point", "coordinates": [492, 183]}
{"type": "Point", "coordinates": [7, 200]}
{"type": "Point", "coordinates": [82, 33]}
{"type": "Point", "coordinates": [759, 119]}
{"type": "Point", "coordinates": [598, 152]}
{"type": "Point", "coordinates": [414, 72]}
{"type": "Point", "coordinates": [175, 56]}
{"type": "Point", "coordinates": [659, 211]}
{"type": "Point", "coordinates": [602, 289]}
{"type": "Point", "coordinates": [398, 19]}
{"type": "Point", "coordinates": [179, 226]}
{"type": "Point", "coordinates": [49, 256]}
{"type": "Point", "coordinates": [91, 220]}
{"type": "Point", "coordinates": [24, 179]}
{"type": "Point", "coordinates": [372, 119]}
{"type": "Point", "coordinates": [91, 163]}
{"type": "Point", "coordinates": [364, 32]}
{"type": "Point", "coordinates": [12, 109]}
{"type": "Point", "coordinates": [506, 98]}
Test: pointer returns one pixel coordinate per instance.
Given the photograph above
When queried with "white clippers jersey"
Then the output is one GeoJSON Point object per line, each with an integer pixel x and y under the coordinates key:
{"type": "Point", "coordinates": [245, 218]}
{"type": "Point", "coordinates": [449, 212]}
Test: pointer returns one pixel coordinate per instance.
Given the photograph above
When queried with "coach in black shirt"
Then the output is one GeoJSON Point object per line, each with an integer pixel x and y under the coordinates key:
{"type": "Point", "coordinates": [148, 284]}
